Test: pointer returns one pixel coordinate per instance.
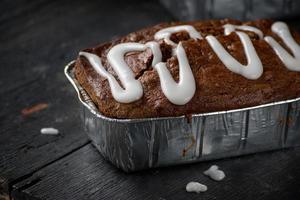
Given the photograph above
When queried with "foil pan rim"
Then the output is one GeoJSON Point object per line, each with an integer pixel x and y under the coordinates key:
{"type": "Point", "coordinates": [92, 107]}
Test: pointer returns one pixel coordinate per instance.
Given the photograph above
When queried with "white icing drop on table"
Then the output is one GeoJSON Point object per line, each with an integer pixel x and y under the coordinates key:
{"type": "Point", "coordinates": [253, 70]}
{"type": "Point", "coordinates": [282, 30]}
{"type": "Point", "coordinates": [167, 32]}
{"type": "Point", "coordinates": [214, 173]}
{"type": "Point", "coordinates": [195, 187]}
{"type": "Point", "coordinates": [49, 131]}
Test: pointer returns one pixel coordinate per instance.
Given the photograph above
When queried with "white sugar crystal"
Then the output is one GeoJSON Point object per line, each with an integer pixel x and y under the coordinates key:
{"type": "Point", "coordinates": [195, 187]}
{"type": "Point", "coordinates": [214, 173]}
{"type": "Point", "coordinates": [49, 131]}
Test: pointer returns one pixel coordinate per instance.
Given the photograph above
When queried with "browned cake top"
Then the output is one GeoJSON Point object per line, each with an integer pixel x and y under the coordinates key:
{"type": "Point", "coordinates": [217, 88]}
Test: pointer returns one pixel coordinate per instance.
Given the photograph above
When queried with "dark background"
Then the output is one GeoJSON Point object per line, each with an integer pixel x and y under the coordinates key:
{"type": "Point", "coordinates": [37, 38]}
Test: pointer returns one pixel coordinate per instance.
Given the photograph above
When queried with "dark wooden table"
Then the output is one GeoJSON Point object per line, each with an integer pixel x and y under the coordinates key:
{"type": "Point", "coordinates": [37, 38]}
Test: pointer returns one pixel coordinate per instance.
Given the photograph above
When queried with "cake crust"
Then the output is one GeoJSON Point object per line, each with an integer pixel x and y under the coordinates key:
{"type": "Point", "coordinates": [217, 88]}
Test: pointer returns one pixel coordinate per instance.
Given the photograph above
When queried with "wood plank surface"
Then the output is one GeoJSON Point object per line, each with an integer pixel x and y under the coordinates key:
{"type": "Point", "coordinates": [86, 175]}
{"type": "Point", "coordinates": [38, 38]}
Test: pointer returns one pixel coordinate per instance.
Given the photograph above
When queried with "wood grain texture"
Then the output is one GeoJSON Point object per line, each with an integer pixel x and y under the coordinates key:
{"type": "Point", "coordinates": [3, 189]}
{"type": "Point", "coordinates": [37, 39]}
{"type": "Point", "coordinates": [86, 175]}
{"type": "Point", "coordinates": [23, 149]}
{"type": "Point", "coordinates": [18, 8]}
{"type": "Point", "coordinates": [47, 38]}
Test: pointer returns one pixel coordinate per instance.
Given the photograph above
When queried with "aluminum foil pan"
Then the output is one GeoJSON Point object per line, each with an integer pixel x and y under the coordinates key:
{"type": "Point", "coordinates": [136, 144]}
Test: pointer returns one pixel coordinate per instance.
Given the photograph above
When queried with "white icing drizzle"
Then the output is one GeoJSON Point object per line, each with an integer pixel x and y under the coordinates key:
{"type": "Point", "coordinates": [229, 28]}
{"type": "Point", "coordinates": [185, 88]}
{"type": "Point", "coordinates": [167, 32]}
{"type": "Point", "coordinates": [282, 30]}
{"type": "Point", "coordinates": [182, 92]}
{"type": "Point", "coordinates": [178, 93]}
{"type": "Point", "coordinates": [133, 88]}
{"type": "Point", "coordinates": [253, 70]}
{"type": "Point", "coordinates": [157, 56]}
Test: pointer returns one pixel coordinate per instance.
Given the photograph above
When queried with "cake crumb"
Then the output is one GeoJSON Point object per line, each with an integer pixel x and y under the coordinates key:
{"type": "Point", "coordinates": [49, 131]}
{"type": "Point", "coordinates": [33, 109]}
{"type": "Point", "coordinates": [195, 187]}
{"type": "Point", "coordinates": [214, 173]}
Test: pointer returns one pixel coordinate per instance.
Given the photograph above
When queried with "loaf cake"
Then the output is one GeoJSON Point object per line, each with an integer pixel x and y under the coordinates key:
{"type": "Point", "coordinates": [184, 68]}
